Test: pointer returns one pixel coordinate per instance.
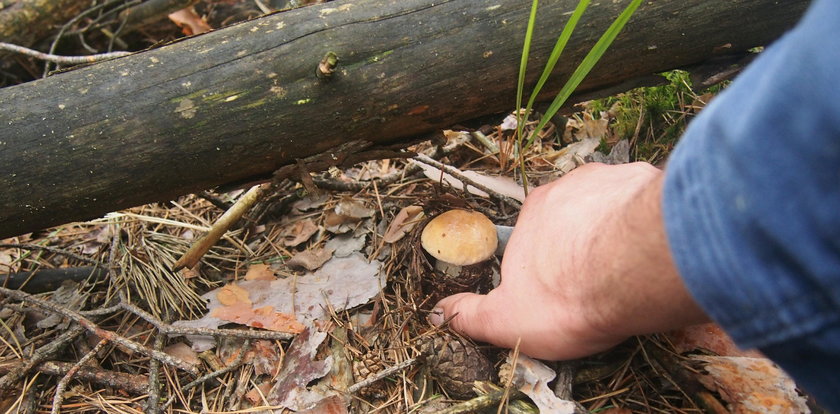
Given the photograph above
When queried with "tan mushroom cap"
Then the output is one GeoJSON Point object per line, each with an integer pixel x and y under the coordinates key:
{"type": "Point", "coordinates": [460, 237]}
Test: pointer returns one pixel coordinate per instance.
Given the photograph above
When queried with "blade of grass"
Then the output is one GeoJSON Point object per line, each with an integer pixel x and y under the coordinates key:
{"type": "Point", "coordinates": [585, 67]}
{"type": "Point", "coordinates": [557, 51]}
{"type": "Point", "coordinates": [523, 63]}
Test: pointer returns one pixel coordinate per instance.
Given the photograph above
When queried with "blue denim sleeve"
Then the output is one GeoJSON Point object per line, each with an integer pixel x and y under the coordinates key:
{"type": "Point", "coordinates": [752, 205]}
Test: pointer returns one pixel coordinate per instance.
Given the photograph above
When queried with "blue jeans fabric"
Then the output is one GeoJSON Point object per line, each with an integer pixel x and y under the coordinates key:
{"type": "Point", "coordinates": [752, 205]}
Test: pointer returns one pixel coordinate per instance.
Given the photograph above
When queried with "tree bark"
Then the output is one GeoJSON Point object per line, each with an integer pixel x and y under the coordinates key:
{"type": "Point", "coordinates": [236, 104]}
{"type": "Point", "coordinates": [23, 22]}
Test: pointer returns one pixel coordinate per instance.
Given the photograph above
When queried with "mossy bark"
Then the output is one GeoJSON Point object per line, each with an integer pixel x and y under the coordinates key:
{"type": "Point", "coordinates": [235, 104]}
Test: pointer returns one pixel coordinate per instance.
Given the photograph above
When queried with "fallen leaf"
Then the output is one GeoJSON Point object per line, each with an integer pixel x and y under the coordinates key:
{"type": "Point", "coordinates": [353, 208]}
{"type": "Point", "coordinates": [311, 202]}
{"type": "Point", "coordinates": [403, 223]}
{"type": "Point", "coordinates": [299, 368]}
{"type": "Point", "coordinates": [299, 232]}
{"type": "Point", "coordinates": [232, 294]}
{"type": "Point", "coordinates": [571, 156]}
{"type": "Point", "coordinates": [256, 395]}
{"type": "Point", "coordinates": [532, 377]}
{"type": "Point", "coordinates": [311, 259]}
{"type": "Point", "coordinates": [259, 271]}
{"type": "Point", "coordinates": [337, 223]}
{"type": "Point", "coordinates": [345, 244]}
{"type": "Point", "coordinates": [264, 317]}
{"type": "Point", "coordinates": [509, 123]}
{"type": "Point", "coordinates": [751, 385]}
{"type": "Point", "coordinates": [343, 282]}
{"type": "Point", "coordinates": [708, 336]}
{"type": "Point", "coordinates": [588, 127]}
{"type": "Point", "coordinates": [189, 21]}
{"type": "Point", "coordinates": [183, 351]}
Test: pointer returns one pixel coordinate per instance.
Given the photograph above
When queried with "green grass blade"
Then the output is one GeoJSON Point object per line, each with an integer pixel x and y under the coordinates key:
{"type": "Point", "coordinates": [557, 51]}
{"type": "Point", "coordinates": [585, 66]}
{"type": "Point", "coordinates": [523, 64]}
{"type": "Point", "coordinates": [520, 86]}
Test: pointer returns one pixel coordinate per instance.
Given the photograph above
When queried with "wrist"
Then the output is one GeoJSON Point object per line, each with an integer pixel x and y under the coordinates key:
{"type": "Point", "coordinates": [643, 292]}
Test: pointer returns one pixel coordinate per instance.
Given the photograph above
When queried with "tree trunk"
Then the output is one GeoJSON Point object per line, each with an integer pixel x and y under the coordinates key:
{"type": "Point", "coordinates": [235, 104]}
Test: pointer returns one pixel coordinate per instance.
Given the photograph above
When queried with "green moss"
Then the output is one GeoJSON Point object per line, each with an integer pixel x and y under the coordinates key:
{"type": "Point", "coordinates": [653, 118]}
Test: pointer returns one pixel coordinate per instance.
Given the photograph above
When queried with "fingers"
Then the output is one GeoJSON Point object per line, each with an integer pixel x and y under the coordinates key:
{"type": "Point", "coordinates": [478, 317]}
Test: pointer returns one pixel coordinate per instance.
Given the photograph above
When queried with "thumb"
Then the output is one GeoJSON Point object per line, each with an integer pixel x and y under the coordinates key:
{"type": "Point", "coordinates": [479, 317]}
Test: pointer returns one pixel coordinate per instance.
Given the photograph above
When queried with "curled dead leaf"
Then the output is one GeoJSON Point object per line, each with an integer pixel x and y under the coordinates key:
{"type": "Point", "coordinates": [311, 259]}
{"type": "Point", "coordinates": [299, 232]}
{"type": "Point", "coordinates": [403, 223]}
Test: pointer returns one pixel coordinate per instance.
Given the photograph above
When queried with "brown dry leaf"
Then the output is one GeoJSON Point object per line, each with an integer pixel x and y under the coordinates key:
{"type": "Point", "coordinates": [751, 385]}
{"type": "Point", "coordinates": [403, 223]}
{"type": "Point", "coordinates": [255, 396]}
{"type": "Point", "coordinates": [311, 259]}
{"type": "Point", "coordinates": [299, 232]}
{"type": "Point", "coordinates": [183, 351]}
{"type": "Point", "coordinates": [232, 294]}
{"type": "Point", "coordinates": [353, 208]}
{"type": "Point", "coordinates": [589, 127]}
{"type": "Point", "coordinates": [264, 318]}
{"type": "Point", "coordinates": [337, 223]}
{"type": "Point", "coordinates": [190, 272]}
{"type": "Point", "coordinates": [708, 336]}
{"type": "Point", "coordinates": [259, 271]}
{"type": "Point", "coordinates": [189, 21]}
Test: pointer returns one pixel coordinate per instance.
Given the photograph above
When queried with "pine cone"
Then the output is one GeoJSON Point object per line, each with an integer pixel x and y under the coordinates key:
{"type": "Point", "coordinates": [456, 364]}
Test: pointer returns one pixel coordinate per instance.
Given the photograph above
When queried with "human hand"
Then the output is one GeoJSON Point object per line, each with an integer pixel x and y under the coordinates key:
{"type": "Point", "coordinates": [587, 266]}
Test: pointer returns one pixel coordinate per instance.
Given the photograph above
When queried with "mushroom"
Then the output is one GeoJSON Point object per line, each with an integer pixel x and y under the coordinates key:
{"type": "Point", "coordinates": [459, 238]}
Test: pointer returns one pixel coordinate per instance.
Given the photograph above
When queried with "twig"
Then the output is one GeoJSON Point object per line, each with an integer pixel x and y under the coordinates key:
{"type": "Point", "coordinates": [130, 383]}
{"type": "Point", "coordinates": [102, 333]}
{"type": "Point", "coordinates": [55, 250]}
{"type": "Point", "coordinates": [58, 399]}
{"type": "Point", "coordinates": [153, 401]}
{"type": "Point", "coordinates": [203, 245]}
{"type": "Point", "coordinates": [467, 181]}
{"type": "Point", "coordinates": [380, 375]}
{"type": "Point", "coordinates": [168, 329]}
{"type": "Point", "coordinates": [215, 374]}
{"type": "Point", "coordinates": [42, 354]}
{"type": "Point", "coordinates": [63, 60]}
{"type": "Point", "coordinates": [490, 145]}
{"type": "Point", "coordinates": [45, 280]}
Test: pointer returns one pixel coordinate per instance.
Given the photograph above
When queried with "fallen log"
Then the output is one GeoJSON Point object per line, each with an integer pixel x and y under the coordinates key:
{"type": "Point", "coordinates": [236, 104]}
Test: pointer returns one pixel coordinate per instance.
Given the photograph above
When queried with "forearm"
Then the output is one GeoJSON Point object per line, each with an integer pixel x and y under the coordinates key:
{"type": "Point", "coordinates": [643, 292]}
